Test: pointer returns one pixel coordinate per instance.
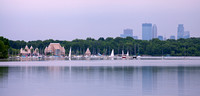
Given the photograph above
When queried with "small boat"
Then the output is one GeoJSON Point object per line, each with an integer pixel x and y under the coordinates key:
{"type": "Point", "coordinates": [94, 56]}
{"type": "Point", "coordinates": [17, 56]}
{"type": "Point", "coordinates": [123, 56]}
{"type": "Point", "coordinates": [138, 56]}
{"type": "Point", "coordinates": [87, 56]}
{"type": "Point", "coordinates": [134, 57]}
{"type": "Point", "coordinates": [70, 53]}
{"type": "Point", "coordinates": [127, 54]}
{"type": "Point", "coordinates": [112, 54]}
{"type": "Point", "coordinates": [39, 57]}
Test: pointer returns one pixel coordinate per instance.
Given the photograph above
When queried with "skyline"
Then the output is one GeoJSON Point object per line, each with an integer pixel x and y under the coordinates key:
{"type": "Point", "coordinates": [71, 19]}
{"type": "Point", "coordinates": [133, 36]}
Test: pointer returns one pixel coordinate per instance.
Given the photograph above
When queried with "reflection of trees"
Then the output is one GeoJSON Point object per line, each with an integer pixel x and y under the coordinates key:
{"type": "Point", "coordinates": [3, 72]}
{"type": "Point", "coordinates": [3, 76]}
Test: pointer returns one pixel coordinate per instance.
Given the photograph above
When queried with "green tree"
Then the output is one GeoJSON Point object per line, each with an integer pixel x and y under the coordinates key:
{"type": "Point", "coordinates": [3, 50]}
{"type": "Point", "coordinates": [154, 47]}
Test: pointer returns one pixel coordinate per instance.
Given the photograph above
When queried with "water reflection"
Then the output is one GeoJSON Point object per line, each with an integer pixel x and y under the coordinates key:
{"type": "Point", "coordinates": [147, 79]}
{"type": "Point", "coordinates": [3, 76]}
{"type": "Point", "coordinates": [181, 81]}
{"type": "Point", "coordinates": [98, 81]}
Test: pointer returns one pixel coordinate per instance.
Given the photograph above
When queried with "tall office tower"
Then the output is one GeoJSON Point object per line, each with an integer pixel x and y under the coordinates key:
{"type": "Point", "coordinates": [154, 31]}
{"type": "Point", "coordinates": [172, 37]}
{"type": "Point", "coordinates": [160, 37]}
{"type": "Point", "coordinates": [186, 34]}
{"type": "Point", "coordinates": [146, 31]}
{"type": "Point", "coordinates": [180, 31]}
{"type": "Point", "coordinates": [127, 33]}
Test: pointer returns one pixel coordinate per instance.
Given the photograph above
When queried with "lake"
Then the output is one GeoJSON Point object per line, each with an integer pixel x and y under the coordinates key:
{"type": "Point", "coordinates": [100, 78]}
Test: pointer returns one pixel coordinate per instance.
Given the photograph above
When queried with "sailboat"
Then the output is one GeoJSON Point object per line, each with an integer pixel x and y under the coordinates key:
{"type": "Point", "coordinates": [112, 53]}
{"type": "Point", "coordinates": [127, 54]}
{"type": "Point", "coordinates": [135, 56]}
{"type": "Point", "coordinates": [123, 56]}
{"type": "Point", "coordinates": [70, 53]}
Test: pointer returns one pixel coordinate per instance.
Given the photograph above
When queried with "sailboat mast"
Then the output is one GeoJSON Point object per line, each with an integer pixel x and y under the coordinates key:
{"type": "Point", "coordinates": [70, 52]}
{"type": "Point", "coordinates": [135, 49]}
{"type": "Point", "coordinates": [138, 50]}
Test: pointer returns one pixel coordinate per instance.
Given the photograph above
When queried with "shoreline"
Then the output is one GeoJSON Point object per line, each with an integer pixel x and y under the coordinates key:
{"type": "Point", "coordinates": [63, 63]}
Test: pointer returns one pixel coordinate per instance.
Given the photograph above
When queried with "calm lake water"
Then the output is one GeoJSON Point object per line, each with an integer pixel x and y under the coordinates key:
{"type": "Point", "coordinates": [100, 78]}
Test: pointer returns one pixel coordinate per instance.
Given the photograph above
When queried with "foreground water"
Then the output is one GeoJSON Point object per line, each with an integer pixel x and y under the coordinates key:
{"type": "Point", "coordinates": [100, 78]}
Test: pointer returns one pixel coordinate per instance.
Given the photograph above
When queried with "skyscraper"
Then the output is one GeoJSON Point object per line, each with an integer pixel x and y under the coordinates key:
{"type": "Point", "coordinates": [160, 37]}
{"type": "Point", "coordinates": [127, 33]}
{"type": "Point", "coordinates": [146, 31]}
{"type": "Point", "coordinates": [186, 34]}
{"type": "Point", "coordinates": [154, 31]}
{"type": "Point", "coordinates": [172, 37]}
{"type": "Point", "coordinates": [180, 31]}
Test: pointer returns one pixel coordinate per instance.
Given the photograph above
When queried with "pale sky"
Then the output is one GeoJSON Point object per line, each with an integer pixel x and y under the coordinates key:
{"type": "Point", "coordinates": [70, 19]}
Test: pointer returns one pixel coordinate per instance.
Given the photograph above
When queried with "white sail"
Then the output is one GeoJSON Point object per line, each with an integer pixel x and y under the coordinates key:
{"type": "Point", "coordinates": [70, 52]}
{"type": "Point", "coordinates": [127, 54]}
{"type": "Point", "coordinates": [122, 52]}
{"type": "Point", "coordinates": [112, 53]}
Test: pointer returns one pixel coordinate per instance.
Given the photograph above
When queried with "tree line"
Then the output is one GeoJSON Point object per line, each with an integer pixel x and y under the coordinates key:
{"type": "Point", "coordinates": [154, 47]}
{"type": "Point", "coordinates": [4, 46]}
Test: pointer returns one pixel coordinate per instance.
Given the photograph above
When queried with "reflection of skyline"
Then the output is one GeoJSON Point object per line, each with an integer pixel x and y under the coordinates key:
{"type": "Point", "coordinates": [181, 80]}
{"type": "Point", "coordinates": [132, 80]}
{"type": "Point", "coordinates": [149, 79]}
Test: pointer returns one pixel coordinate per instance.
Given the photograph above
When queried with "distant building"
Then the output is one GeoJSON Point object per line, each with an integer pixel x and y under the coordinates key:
{"type": "Point", "coordinates": [172, 37]}
{"type": "Point", "coordinates": [135, 37]}
{"type": "Point", "coordinates": [54, 49]}
{"type": "Point", "coordinates": [160, 37]}
{"type": "Point", "coordinates": [127, 33]}
{"type": "Point", "coordinates": [186, 34]}
{"type": "Point", "coordinates": [29, 52]}
{"type": "Point", "coordinates": [146, 31]}
{"type": "Point", "coordinates": [87, 53]}
{"type": "Point", "coordinates": [165, 38]}
{"type": "Point", "coordinates": [154, 31]}
{"type": "Point", "coordinates": [180, 31]}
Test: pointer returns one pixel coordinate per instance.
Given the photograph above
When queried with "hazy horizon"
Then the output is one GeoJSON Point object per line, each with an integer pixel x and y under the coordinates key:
{"type": "Point", "coordinates": [70, 19]}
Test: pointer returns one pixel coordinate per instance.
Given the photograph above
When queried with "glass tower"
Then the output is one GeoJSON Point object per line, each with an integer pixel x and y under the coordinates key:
{"type": "Point", "coordinates": [160, 37]}
{"type": "Point", "coordinates": [172, 37]}
{"type": "Point", "coordinates": [146, 31]}
{"type": "Point", "coordinates": [180, 31]}
{"type": "Point", "coordinates": [186, 34]}
{"type": "Point", "coordinates": [127, 33]}
{"type": "Point", "coordinates": [154, 31]}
